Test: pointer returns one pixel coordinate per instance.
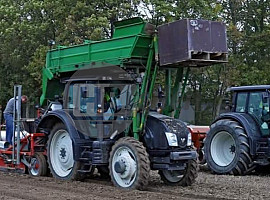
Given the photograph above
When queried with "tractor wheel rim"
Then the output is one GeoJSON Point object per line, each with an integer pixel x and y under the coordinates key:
{"type": "Point", "coordinates": [126, 156]}
{"type": "Point", "coordinates": [61, 153]}
{"type": "Point", "coordinates": [223, 148]}
{"type": "Point", "coordinates": [34, 166]}
{"type": "Point", "coordinates": [173, 176]}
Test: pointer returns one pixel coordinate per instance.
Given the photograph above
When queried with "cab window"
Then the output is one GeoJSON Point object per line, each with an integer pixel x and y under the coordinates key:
{"type": "Point", "coordinates": [241, 102]}
{"type": "Point", "coordinates": [255, 104]}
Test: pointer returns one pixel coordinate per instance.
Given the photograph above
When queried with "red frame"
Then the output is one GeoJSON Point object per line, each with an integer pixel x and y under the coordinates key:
{"type": "Point", "coordinates": [198, 133]}
{"type": "Point", "coordinates": [24, 142]}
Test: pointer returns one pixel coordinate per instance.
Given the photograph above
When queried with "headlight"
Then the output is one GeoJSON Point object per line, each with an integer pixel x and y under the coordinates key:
{"type": "Point", "coordinates": [172, 139]}
{"type": "Point", "coordinates": [189, 140]}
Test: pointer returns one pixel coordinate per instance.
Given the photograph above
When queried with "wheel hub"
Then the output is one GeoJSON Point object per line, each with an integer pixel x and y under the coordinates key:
{"type": "Point", "coordinates": [63, 153]}
{"type": "Point", "coordinates": [232, 149]}
{"type": "Point", "coordinates": [120, 167]}
{"type": "Point", "coordinates": [127, 169]}
{"type": "Point", "coordinates": [34, 166]}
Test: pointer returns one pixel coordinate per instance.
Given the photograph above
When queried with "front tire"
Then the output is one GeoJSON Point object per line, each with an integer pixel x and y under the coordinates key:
{"type": "Point", "coordinates": [129, 164]}
{"type": "Point", "coordinates": [227, 149]}
{"type": "Point", "coordinates": [182, 178]}
{"type": "Point", "coordinates": [60, 155]}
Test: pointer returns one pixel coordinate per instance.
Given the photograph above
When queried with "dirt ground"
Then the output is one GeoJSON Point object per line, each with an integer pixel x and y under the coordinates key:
{"type": "Point", "coordinates": [207, 186]}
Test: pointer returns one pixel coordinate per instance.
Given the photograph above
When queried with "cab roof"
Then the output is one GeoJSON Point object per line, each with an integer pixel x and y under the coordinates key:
{"type": "Point", "coordinates": [250, 88]}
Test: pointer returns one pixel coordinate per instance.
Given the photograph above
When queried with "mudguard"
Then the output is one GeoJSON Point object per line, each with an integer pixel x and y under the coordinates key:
{"type": "Point", "coordinates": [248, 123]}
{"type": "Point", "coordinates": [62, 116]}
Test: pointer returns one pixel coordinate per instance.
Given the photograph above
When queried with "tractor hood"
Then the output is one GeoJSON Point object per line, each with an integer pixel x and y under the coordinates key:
{"type": "Point", "coordinates": [156, 127]}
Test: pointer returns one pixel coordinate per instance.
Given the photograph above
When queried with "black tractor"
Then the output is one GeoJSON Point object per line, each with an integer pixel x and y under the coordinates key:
{"type": "Point", "coordinates": [238, 141]}
{"type": "Point", "coordinates": [91, 127]}
{"type": "Point", "coordinates": [105, 118]}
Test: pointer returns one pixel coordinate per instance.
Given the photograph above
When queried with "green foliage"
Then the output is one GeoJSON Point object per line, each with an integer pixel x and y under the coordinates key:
{"type": "Point", "coordinates": [26, 26]}
{"type": "Point", "coordinates": [162, 11]}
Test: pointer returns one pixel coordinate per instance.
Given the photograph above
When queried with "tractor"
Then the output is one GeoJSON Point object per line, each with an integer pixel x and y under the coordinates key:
{"type": "Point", "coordinates": [238, 141]}
{"type": "Point", "coordinates": [98, 95]}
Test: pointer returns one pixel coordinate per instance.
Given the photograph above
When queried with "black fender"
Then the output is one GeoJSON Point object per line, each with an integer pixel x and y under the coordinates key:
{"type": "Point", "coordinates": [248, 123]}
{"type": "Point", "coordinates": [62, 116]}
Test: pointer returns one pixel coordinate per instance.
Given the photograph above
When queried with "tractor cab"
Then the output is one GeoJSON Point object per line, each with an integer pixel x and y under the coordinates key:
{"type": "Point", "coordinates": [100, 104]}
{"type": "Point", "coordinates": [253, 101]}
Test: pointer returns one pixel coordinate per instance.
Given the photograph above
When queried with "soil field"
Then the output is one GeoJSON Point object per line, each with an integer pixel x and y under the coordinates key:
{"type": "Point", "coordinates": [207, 186]}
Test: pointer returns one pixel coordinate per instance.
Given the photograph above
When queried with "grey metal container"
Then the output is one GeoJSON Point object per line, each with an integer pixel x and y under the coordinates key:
{"type": "Point", "coordinates": [192, 43]}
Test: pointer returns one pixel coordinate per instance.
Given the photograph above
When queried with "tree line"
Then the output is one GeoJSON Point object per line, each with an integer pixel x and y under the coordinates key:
{"type": "Point", "coordinates": [26, 27]}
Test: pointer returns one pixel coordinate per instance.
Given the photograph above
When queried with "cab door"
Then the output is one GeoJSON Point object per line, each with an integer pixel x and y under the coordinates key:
{"type": "Point", "coordinates": [258, 108]}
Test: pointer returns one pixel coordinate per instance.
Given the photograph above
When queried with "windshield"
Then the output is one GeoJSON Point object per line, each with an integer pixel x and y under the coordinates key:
{"type": "Point", "coordinates": [107, 105]}
{"type": "Point", "coordinates": [89, 97]}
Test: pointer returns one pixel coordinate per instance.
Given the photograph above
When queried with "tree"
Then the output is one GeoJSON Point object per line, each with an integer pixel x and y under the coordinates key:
{"type": "Point", "coordinates": [27, 26]}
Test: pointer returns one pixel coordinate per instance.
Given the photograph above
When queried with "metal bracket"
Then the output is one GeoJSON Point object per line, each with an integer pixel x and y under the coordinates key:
{"type": "Point", "coordinates": [24, 161]}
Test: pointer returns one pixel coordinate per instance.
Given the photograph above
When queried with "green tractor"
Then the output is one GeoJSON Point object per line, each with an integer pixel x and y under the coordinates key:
{"type": "Point", "coordinates": [103, 118]}
{"type": "Point", "coordinates": [238, 141]}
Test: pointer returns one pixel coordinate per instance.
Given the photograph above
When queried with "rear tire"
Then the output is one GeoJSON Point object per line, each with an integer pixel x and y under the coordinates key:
{"type": "Point", "coordinates": [227, 149]}
{"type": "Point", "coordinates": [129, 164]}
{"type": "Point", "coordinates": [182, 178]}
{"type": "Point", "coordinates": [60, 155]}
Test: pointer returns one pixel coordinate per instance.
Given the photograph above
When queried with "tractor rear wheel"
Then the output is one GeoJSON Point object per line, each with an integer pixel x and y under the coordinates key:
{"type": "Point", "coordinates": [184, 178]}
{"type": "Point", "coordinates": [38, 165]}
{"type": "Point", "coordinates": [227, 149]}
{"type": "Point", "coordinates": [129, 164]}
{"type": "Point", "coordinates": [60, 155]}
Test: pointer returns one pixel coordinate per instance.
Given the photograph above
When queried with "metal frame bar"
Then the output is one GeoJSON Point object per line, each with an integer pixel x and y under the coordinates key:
{"type": "Point", "coordinates": [144, 94]}
{"type": "Point", "coordinates": [168, 91]}
{"type": "Point", "coordinates": [16, 124]}
{"type": "Point", "coordinates": [178, 109]}
{"type": "Point", "coordinates": [173, 101]}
